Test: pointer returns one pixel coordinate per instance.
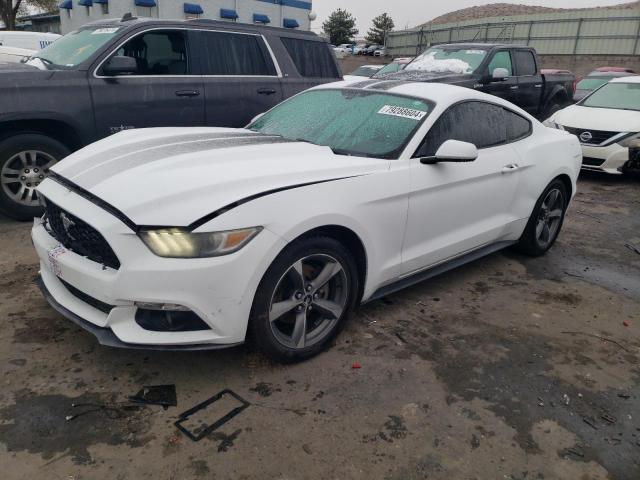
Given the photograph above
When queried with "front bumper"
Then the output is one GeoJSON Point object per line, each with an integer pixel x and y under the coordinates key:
{"type": "Point", "coordinates": [219, 290]}
{"type": "Point", "coordinates": [609, 159]}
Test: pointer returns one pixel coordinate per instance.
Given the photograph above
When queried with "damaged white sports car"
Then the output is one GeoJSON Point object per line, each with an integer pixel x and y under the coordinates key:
{"type": "Point", "coordinates": [191, 238]}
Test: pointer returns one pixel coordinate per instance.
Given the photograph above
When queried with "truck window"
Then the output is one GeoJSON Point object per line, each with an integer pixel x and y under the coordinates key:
{"type": "Point", "coordinates": [501, 60]}
{"type": "Point", "coordinates": [480, 123]}
{"type": "Point", "coordinates": [236, 54]}
{"type": "Point", "coordinates": [158, 52]}
{"type": "Point", "coordinates": [525, 62]}
{"type": "Point", "coordinates": [312, 59]}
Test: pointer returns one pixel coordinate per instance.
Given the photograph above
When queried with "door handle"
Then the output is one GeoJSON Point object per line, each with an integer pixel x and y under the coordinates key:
{"type": "Point", "coordinates": [187, 93]}
{"type": "Point", "coordinates": [538, 85]}
{"type": "Point", "coordinates": [514, 87]}
{"type": "Point", "coordinates": [512, 167]}
{"type": "Point", "coordinates": [266, 91]}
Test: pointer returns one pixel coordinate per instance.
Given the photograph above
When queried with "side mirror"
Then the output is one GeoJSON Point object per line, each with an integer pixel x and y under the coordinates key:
{"type": "Point", "coordinates": [120, 65]}
{"type": "Point", "coordinates": [453, 151]}
{"type": "Point", "coordinates": [499, 74]}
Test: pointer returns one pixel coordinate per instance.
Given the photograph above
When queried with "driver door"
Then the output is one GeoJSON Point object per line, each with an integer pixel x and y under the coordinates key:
{"type": "Point", "coordinates": [455, 208]}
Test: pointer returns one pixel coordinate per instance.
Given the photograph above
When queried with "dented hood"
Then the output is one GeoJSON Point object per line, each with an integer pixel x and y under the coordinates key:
{"type": "Point", "coordinates": [175, 176]}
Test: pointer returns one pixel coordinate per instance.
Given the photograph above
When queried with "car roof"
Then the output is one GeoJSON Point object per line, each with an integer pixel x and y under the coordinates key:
{"type": "Point", "coordinates": [133, 22]}
{"type": "Point", "coordinates": [479, 46]}
{"type": "Point", "coordinates": [597, 74]}
{"type": "Point", "coordinates": [423, 90]}
{"type": "Point", "coordinates": [630, 79]}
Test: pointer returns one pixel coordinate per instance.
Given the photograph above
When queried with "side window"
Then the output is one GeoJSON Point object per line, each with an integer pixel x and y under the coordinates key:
{"type": "Point", "coordinates": [311, 58]}
{"type": "Point", "coordinates": [501, 60]}
{"type": "Point", "coordinates": [517, 127]}
{"type": "Point", "coordinates": [158, 53]}
{"type": "Point", "coordinates": [236, 54]}
{"type": "Point", "coordinates": [475, 122]}
{"type": "Point", "coordinates": [525, 62]}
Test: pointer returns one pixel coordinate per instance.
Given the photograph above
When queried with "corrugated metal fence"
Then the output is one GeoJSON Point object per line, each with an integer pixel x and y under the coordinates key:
{"type": "Point", "coordinates": [589, 32]}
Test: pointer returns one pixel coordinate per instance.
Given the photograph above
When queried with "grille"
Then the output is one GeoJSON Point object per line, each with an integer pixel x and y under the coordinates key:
{"type": "Point", "coordinates": [597, 136]}
{"type": "Point", "coordinates": [78, 236]}
{"type": "Point", "coordinates": [94, 302]}
{"type": "Point", "coordinates": [592, 162]}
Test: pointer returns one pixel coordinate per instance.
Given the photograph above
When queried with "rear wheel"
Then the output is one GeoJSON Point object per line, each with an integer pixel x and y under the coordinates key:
{"type": "Point", "coordinates": [304, 299]}
{"type": "Point", "coordinates": [546, 220]}
{"type": "Point", "coordinates": [25, 160]}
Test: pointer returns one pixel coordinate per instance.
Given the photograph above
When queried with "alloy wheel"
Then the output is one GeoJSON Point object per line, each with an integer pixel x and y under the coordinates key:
{"type": "Point", "coordinates": [549, 217]}
{"type": "Point", "coordinates": [308, 301]}
{"type": "Point", "coordinates": [23, 173]}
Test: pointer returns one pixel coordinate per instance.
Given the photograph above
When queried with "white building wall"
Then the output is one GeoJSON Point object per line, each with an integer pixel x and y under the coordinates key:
{"type": "Point", "coordinates": [171, 9]}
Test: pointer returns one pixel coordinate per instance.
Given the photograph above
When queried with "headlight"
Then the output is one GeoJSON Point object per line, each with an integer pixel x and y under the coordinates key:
{"type": "Point", "coordinates": [551, 124]}
{"type": "Point", "coordinates": [632, 141]}
{"type": "Point", "coordinates": [180, 243]}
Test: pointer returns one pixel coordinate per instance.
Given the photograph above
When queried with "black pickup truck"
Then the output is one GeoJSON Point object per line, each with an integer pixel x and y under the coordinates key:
{"type": "Point", "coordinates": [131, 73]}
{"type": "Point", "coordinates": [511, 72]}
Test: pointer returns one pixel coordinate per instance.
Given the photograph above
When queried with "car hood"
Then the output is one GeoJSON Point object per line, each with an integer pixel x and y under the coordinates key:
{"type": "Point", "coordinates": [607, 119]}
{"type": "Point", "coordinates": [175, 176]}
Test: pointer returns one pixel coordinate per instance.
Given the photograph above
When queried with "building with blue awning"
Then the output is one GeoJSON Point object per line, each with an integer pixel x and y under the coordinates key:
{"type": "Point", "coordinates": [293, 14]}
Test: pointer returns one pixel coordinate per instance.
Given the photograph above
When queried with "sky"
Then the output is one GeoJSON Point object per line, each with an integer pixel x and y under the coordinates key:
{"type": "Point", "coordinates": [414, 12]}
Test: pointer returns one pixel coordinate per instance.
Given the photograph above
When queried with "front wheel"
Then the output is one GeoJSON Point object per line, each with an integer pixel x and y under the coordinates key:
{"type": "Point", "coordinates": [546, 220]}
{"type": "Point", "coordinates": [304, 299]}
{"type": "Point", "coordinates": [25, 160]}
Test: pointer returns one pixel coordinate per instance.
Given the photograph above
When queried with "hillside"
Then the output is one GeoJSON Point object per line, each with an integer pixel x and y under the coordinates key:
{"type": "Point", "coordinates": [510, 9]}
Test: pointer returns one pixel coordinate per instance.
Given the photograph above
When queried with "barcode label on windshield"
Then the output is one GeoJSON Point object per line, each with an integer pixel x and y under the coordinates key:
{"type": "Point", "coordinates": [403, 112]}
{"type": "Point", "coordinates": [102, 31]}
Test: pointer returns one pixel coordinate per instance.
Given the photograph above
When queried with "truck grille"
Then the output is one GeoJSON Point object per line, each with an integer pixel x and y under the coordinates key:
{"type": "Point", "coordinates": [78, 236]}
{"type": "Point", "coordinates": [597, 136]}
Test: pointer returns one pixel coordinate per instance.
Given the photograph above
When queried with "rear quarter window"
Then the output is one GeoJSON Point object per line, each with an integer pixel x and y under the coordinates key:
{"type": "Point", "coordinates": [311, 58]}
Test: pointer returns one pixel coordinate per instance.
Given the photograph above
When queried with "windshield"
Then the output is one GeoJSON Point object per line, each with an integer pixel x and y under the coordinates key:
{"type": "Point", "coordinates": [391, 68]}
{"type": "Point", "coordinates": [364, 71]}
{"type": "Point", "coordinates": [349, 121]}
{"type": "Point", "coordinates": [591, 83]}
{"type": "Point", "coordinates": [74, 48]}
{"type": "Point", "coordinates": [622, 96]}
{"type": "Point", "coordinates": [439, 60]}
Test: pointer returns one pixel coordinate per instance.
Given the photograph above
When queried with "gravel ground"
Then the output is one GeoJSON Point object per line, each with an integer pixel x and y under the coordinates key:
{"type": "Point", "coordinates": [509, 367]}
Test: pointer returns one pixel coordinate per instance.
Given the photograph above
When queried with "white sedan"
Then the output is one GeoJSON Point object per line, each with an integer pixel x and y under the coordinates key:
{"type": "Point", "coordinates": [607, 122]}
{"type": "Point", "coordinates": [191, 238]}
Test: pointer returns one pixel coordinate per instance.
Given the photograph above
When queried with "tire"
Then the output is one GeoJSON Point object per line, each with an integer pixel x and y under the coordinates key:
{"type": "Point", "coordinates": [25, 160]}
{"type": "Point", "coordinates": [280, 332]}
{"type": "Point", "coordinates": [533, 241]}
{"type": "Point", "coordinates": [551, 109]}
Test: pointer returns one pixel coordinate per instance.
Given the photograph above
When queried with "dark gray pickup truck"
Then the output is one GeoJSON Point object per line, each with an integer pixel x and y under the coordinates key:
{"type": "Point", "coordinates": [511, 72]}
{"type": "Point", "coordinates": [131, 73]}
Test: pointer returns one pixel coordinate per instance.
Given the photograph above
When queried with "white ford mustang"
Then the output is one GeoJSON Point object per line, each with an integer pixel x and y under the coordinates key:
{"type": "Point", "coordinates": [190, 238]}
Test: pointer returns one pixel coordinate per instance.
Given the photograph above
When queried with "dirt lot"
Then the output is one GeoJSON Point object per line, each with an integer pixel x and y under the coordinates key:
{"type": "Point", "coordinates": [471, 375]}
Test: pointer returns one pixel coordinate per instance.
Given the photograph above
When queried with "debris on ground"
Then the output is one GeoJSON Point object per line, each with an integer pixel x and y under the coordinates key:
{"type": "Point", "coordinates": [356, 365]}
{"type": "Point", "coordinates": [163, 395]}
{"type": "Point", "coordinates": [565, 399]}
{"type": "Point", "coordinates": [626, 323]}
{"type": "Point", "coordinates": [633, 248]}
{"type": "Point", "coordinates": [111, 410]}
{"type": "Point", "coordinates": [199, 429]}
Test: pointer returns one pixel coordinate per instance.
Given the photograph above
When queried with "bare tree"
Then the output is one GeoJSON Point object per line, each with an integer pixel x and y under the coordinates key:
{"type": "Point", "coordinates": [10, 9]}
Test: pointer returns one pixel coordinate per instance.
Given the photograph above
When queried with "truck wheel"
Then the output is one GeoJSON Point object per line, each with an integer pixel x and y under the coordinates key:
{"type": "Point", "coordinates": [25, 160]}
{"type": "Point", "coordinates": [553, 107]}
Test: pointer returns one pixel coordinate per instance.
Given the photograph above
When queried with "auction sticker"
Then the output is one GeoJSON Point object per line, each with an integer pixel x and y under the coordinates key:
{"type": "Point", "coordinates": [403, 112]}
{"type": "Point", "coordinates": [102, 31]}
{"type": "Point", "coordinates": [53, 255]}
